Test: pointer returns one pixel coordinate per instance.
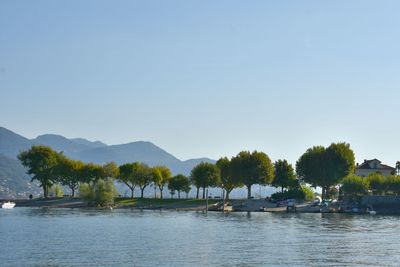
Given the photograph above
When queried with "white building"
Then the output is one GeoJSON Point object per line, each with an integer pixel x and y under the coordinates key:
{"type": "Point", "coordinates": [374, 165]}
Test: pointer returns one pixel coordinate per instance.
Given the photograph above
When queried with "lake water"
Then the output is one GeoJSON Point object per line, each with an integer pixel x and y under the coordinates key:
{"type": "Point", "coordinates": [73, 237]}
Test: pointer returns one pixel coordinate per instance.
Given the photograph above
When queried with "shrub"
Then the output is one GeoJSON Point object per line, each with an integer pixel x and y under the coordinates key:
{"type": "Point", "coordinates": [308, 192]}
{"type": "Point", "coordinates": [86, 193]}
{"type": "Point", "coordinates": [57, 190]}
{"type": "Point", "coordinates": [355, 185]}
{"type": "Point", "coordinates": [393, 184]}
{"type": "Point", "coordinates": [377, 183]}
{"type": "Point", "coordinates": [102, 193]}
{"type": "Point", "coordinates": [302, 193]}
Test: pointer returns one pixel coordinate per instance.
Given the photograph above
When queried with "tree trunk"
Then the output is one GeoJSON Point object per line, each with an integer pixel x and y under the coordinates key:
{"type": "Point", "coordinates": [179, 194]}
{"type": "Point", "coordinates": [161, 189]}
{"type": "Point", "coordinates": [227, 194]}
{"type": "Point", "coordinates": [204, 193]}
{"type": "Point", "coordinates": [155, 192]}
{"type": "Point", "coordinates": [248, 191]}
{"type": "Point", "coordinates": [45, 191]}
{"type": "Point", "coordinates": [73, 191]}
{"type": "Point", "coordinates": [282, 189]}
{"type": "Point", "coordinates": [132, 192]}
{"type": "Point", "coordinates": [323, 193]}
{"type": "Point", "coordinates": [141, 193]}
{"type": "Point", "coordinates": [197, 193]}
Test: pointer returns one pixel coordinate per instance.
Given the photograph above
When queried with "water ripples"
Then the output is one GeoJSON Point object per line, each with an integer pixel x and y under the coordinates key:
{"type": "Point", "coordinates": [73, 237]}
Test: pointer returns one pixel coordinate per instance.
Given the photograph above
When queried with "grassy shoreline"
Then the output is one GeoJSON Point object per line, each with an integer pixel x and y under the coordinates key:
{"type": "Point", "coordinates": [120, 203]}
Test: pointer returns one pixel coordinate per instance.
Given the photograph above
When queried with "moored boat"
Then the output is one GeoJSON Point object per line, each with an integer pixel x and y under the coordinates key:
{"type": "Point", "coordinates": [8, 205]}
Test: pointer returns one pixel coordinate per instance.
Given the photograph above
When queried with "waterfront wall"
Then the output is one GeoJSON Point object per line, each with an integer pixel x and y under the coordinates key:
{"type": "Point", "coordinates": [388, 204]}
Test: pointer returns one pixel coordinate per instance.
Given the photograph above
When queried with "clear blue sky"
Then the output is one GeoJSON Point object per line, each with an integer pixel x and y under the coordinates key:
{"type": "Point", "coordinates": [205, 78]}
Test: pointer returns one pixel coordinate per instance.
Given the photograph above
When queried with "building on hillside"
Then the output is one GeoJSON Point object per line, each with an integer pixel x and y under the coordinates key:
{"type": "Point", "coordinates": [374, 165]}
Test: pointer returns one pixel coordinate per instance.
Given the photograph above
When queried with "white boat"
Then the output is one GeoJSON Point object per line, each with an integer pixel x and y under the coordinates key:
{"type": "Point", "coordinates": [8, 205]}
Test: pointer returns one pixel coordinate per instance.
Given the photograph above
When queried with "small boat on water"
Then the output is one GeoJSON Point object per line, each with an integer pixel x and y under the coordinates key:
{"type": "Point", "coordinates": [8, 205]}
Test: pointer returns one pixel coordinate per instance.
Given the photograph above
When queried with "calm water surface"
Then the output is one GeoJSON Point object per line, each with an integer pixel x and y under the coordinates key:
{"type": "Point", "coordinates": [73, 237]}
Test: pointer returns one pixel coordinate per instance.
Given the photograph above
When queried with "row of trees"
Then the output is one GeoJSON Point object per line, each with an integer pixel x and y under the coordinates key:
{"type": "Point", "coordinates": [140, 175]}
{"type": "Point", "coordinates": [318, 166]}
{"type": "Point", "coordinates": [50, 167]}
{"type": "Point", "coordinates": [375, 184]}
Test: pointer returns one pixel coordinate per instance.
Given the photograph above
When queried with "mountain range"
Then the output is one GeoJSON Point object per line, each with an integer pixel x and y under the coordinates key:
{"type": "Point", "coordinates": [14, 181]}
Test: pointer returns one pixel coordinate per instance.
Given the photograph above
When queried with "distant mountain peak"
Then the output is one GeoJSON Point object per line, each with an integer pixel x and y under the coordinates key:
{"type": "Point", "coordinates": [86, 142]}
{"type": "Point", "coordinates": [51, 136]}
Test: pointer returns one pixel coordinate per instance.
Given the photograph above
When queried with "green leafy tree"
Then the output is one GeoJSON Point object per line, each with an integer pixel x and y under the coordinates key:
{"type": "Point", "coordinates": [179, 183]}
{"type": "Point", "coordinates": [90, 173]}
{"type": "Point", "coordinates": [228, 181]}
{"type": "Point", "coordinates": [142, 176]}
{"type": "Point", "coordinates": [284, 175]}
{"type": "Point", "coordinates": [127, 176]}
{"type": "Point", "coordinates": [310, 166]}
{"type": "Point", "coordinates": [69, 173]}
{"type": "Point", "coordinates": [355, 185]}
{"type": "Point", "coordinates": [161, 176]}
{"type": "Point", "coordinates": [252, 168]}
{"type": "Point", "coordinates": [377, 183]}
{"type": "Point", "coordinates": [110, 170]}
{"type": "Point", "coordinates": [204, 175]}
{"type": "Point", "coordinates": [41, 162]}
{"type": "Point", "coordinates": [326, 167]}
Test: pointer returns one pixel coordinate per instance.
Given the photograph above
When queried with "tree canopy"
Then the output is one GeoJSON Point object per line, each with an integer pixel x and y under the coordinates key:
{"type": "Point", "coordinates": [41, 162]}
{"type": "Point", "coordinates": [252, 168]}
{"type": "Point", "coordinates": [110, 170]}
{"type": "Point", "coordinates": [179, 183]}
{"type": "Point", "coordinates": [284, 175]}
{"type": "Point", "coordinates": [161, 175]}
{"type": "Point", "coordinates": [325, 167]}
{"type": "Point", "coordinates": [127, 176]}
{"type": "Point", "coordinates": [205, 175]}
{"type": "Point", "coordinates": [142, 176]}
{"type": "Point", "coordinates": [228, 181]}
{"type": "Point", "coordinates": [69, 173]}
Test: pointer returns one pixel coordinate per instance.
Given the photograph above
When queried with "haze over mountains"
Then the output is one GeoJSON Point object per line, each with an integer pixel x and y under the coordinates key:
{"type": "Point", "coordinates": [12, 175]}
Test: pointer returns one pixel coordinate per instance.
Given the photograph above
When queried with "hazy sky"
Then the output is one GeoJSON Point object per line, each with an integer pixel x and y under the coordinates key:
{"type": "Point", "coordinates": [205, 78]}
